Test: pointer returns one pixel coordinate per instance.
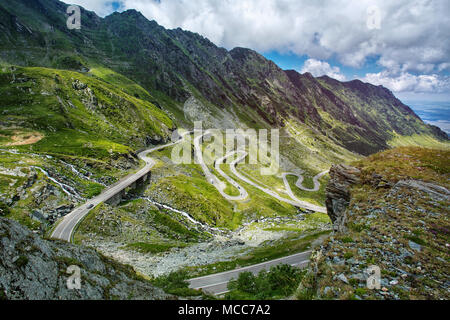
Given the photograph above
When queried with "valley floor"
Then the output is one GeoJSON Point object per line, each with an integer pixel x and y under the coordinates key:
{"type": "Point", "coordinates": [160, 238]}
{"type": "Point", "coordinates": [193, 219]}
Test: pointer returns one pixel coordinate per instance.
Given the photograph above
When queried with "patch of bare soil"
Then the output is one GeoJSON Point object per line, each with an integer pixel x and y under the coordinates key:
{"type": "Point", "coordinates": [21, 138]}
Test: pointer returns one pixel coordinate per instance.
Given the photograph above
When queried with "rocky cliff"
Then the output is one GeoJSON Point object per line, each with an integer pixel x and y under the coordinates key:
{"type": "Point", "coordinates": [391, 211]}
{"type": "Point", "coordinates": [32, 268]}
{"type": "Point", "coordinates": [342, 178]}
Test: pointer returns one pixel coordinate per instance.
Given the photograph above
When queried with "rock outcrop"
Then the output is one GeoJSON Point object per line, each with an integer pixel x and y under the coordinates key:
{"type": "Point", "coordinates": [32, 268]}
{"type": "Point", "coordinates": [436, 192]}
{"type": "Point", "coordinates": [393, 215]}
{"type": "Point", "coordinates": [342, 177]}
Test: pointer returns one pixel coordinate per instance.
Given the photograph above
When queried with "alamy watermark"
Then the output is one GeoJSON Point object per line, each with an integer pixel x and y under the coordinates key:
{"type": "Point", "coordinates": [74, 281]}
{"type": "Point", "coordinates": [373, 21]}
{"type": "Point", "coordinates": [374, 278]}
{"type": "Point", "coordinates": [212, 144]}
{"type": "Point", "coordinates": [74, 19]}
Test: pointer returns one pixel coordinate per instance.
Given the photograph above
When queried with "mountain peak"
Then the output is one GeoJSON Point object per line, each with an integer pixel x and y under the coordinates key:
{"type": "Point", "coordinates": [132, 12]}
{"type": "Point", "coordinates": [308, 75]}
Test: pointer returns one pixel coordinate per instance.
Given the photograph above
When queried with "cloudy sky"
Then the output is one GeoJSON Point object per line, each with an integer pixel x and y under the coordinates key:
{"type": "Point", "coordinates": [402, 44]}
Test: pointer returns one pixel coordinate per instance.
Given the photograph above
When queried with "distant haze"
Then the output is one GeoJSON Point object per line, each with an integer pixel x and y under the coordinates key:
{"type": "Point", "coordinates": [433, 112]}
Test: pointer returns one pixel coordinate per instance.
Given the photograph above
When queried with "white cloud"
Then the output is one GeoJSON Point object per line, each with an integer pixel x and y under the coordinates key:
{"type": "Point", "coordinates": [407, 82]}
{"type": "Point", "coordinates": [101, 7]}
{"type": "Point", "coordinates": [319, 68]}
{"type": "Point", "coordinates": [444, 66]}
{"type": "Point", "coordinates": [411, 31]}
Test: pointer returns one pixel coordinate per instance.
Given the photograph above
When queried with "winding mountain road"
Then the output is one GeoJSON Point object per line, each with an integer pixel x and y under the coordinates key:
{"type": "Point", "coordinates": [299, 183]}
{"type": "Point", "coordinates": [243, 194]}
{"type": "Point", "coordinates": [217, 283]}
{"type": "Point", "coordinates": [212, 178]}
{"type": "Point", "coordinates": [65, 228]}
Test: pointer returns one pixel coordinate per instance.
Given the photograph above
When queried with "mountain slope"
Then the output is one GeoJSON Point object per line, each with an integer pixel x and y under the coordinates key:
{"type": "Point", "coordinates": [175, 65]}
{"type": "Point", "coordinates": [90, 98]}
{"type": "Point", "coordinates": [73, 107]}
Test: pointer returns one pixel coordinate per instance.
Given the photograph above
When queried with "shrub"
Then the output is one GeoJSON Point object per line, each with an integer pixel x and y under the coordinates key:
{"type": "Point", "coordinates": [246, 283]}
{"type": "Point", "coordinates": [417, 240]}
{"type": "Point", "coordinates": [3, 294]}
{"type": "Point", "coordinates": [347, 240]}
{"type": "Point", "coordinates": [361, 291]}
{"type": "Point", "coordinates": [175, 283]}
{"type": "Point", "coordinates": [4, 209]}
{"type": "Point", "coordinates": [358, 227]}
{"type": "Point", "coordinates": [348, 255]}
{"type": "Point", "coordinates": [21, 262]}
{"type": "Point", "coordinates": [279, 281]}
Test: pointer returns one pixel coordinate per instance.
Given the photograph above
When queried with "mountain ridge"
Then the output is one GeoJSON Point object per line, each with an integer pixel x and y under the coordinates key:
{"type": "Point", "coordinates": [178, 64]}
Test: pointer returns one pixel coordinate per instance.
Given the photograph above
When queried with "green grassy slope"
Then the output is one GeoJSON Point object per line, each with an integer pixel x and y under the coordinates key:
{"type": "Point", "coordinates": [81, 128]}
{"type": "Point", "coordinates": [79, 114]}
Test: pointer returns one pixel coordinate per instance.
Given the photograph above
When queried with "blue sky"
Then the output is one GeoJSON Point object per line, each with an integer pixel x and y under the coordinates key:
{"type": "Point", "coordinates": [296, 62]}
{"type": "Point", "coordinates": [115, 5]}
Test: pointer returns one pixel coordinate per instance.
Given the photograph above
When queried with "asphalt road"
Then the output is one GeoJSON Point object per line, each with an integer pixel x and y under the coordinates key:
{"type": "Point", "coordinates": [65, 228]}
{"type": "Point", "coordinates": [299, 183]}
{"type": "Point", "coordinates": [220, 186]}
{"type": "Point", "coordinates": [242, 192]}
{"type": "Point", "coordinates": [216, 284]}
{"type": "Point", "coordinates": [293, 201]}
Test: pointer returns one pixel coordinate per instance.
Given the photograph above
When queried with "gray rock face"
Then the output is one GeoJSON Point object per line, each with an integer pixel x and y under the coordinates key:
{"type": "Point", "coordinates": [414, 246]}
{"type": "Point", "coordinates": [32, 268]}
{"type": "Point", "coordinates": [434, 191]}
{"type": "Point", "coordinates": [343, 278]}
{"type": "Point", "coordinates": [342, 177]}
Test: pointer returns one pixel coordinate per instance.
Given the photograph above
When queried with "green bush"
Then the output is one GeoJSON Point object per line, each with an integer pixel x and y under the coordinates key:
{"type": "Point", "coordinates": [70, 63]}
{"type": "Point", "coordinates": [93, 189]}
{"type": "Point", "coordinates": [3, 294]}
{"type": "Point", "coordinates": [4, 209]}
{"type": "Point", "coordinates": [175, 283]}
{"type": "Point", "coordinates": [360, 291]}
{"type": "Point", "coordinates": [357, 226]}
{"type": "Point", "coordinates": [417, 240]}
{"type": "Point", "coordinates": [347, 240]}
{"type": "Point", "coordinates": [21, 262]}
{"type": "Point", "coordinates": [348, 255]}
{"type": "Point", "coordinates": [280, 281]}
